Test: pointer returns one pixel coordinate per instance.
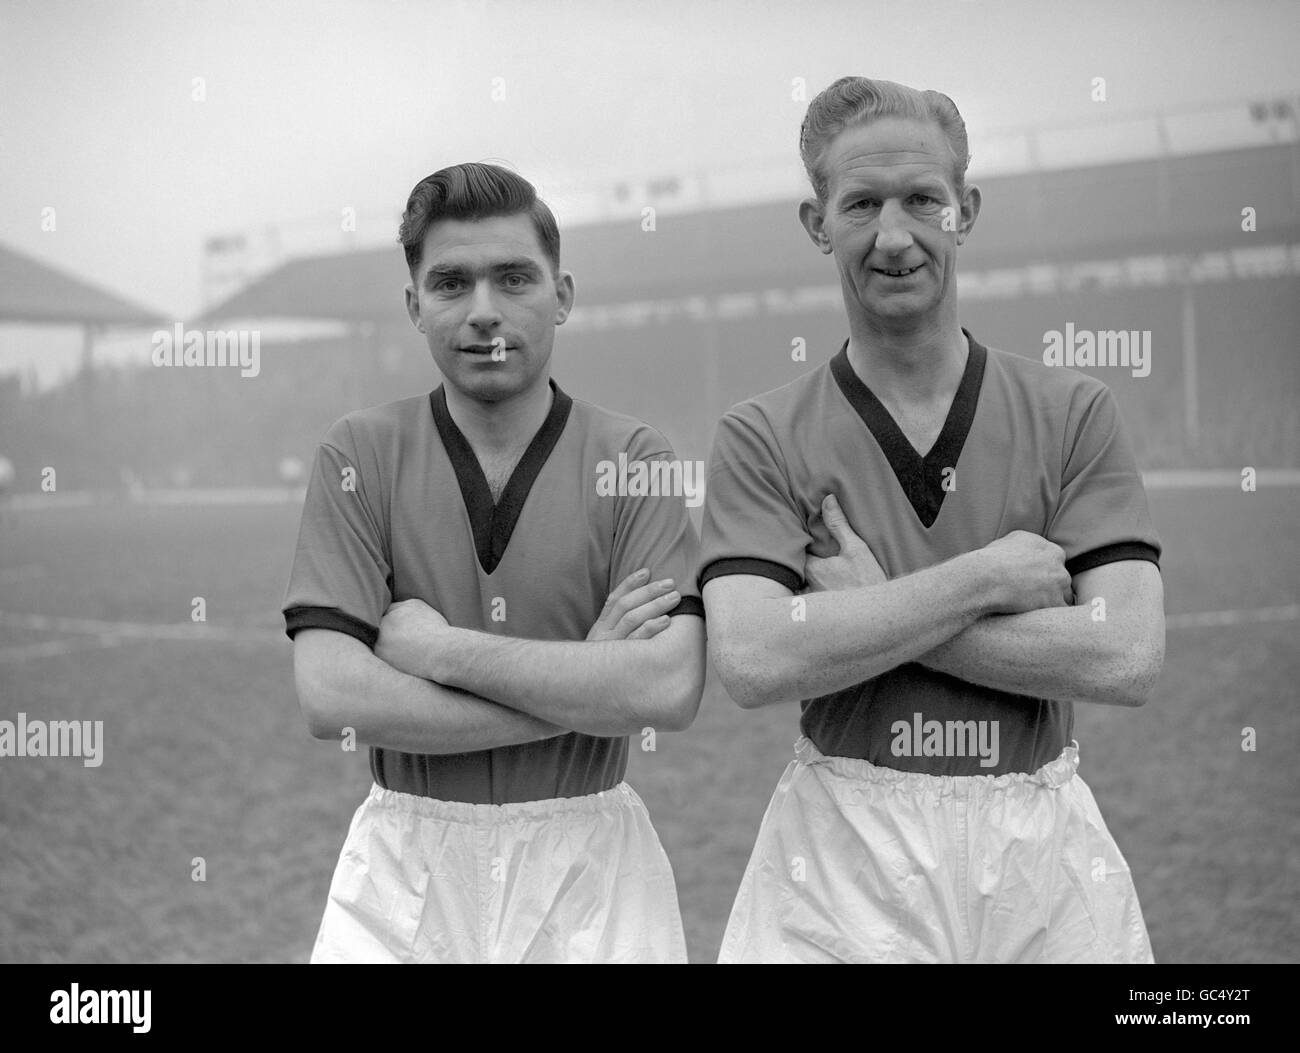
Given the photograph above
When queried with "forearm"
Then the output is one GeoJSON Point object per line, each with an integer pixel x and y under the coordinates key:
{"type": "Point", "coordinates": [614, 687]}
{"type": "Point", "coordinates": [1059, 653]}
{"type": "Point", "coordinates": [389, 709]}
{"type": "Point", "coordinates": [786, 648]}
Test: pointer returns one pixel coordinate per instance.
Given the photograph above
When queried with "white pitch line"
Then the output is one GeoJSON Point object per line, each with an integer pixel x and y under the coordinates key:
{"type": "Point", "coordinates": [1218, 478]}
{"type": "Point", "coordinates": [1209, 619]}
{"type": "Point", "coordinates": [52, 648]}
{"type": "Point", "coordinates": [96, 634]}
{"type": "Point", "coordinates": [142, 630]}
{"type": "Point", "coordinates": [252, 495]}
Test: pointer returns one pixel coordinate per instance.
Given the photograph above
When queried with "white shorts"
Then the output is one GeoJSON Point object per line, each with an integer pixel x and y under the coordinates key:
{"type": "Point", "coordinates": [576, 879]}
{"type": "Point", "coordinates": [858, 863]}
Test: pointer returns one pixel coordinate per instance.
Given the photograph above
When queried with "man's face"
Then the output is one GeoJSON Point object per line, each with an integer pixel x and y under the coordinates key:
{"type": "Point", "coordinates": [487, 301]}
{"type": "Point", "coordinates": [889, 198]}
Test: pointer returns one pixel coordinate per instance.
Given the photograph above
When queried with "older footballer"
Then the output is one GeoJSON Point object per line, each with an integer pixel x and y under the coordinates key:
{"type": "Point", "coordinates": [939, 549]}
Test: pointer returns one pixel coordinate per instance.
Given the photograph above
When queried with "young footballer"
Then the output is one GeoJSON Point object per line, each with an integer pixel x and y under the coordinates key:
{"type": "Point", "coordinates": [939, 548]}
{"type": "Point", "coordinates": [467, 603]}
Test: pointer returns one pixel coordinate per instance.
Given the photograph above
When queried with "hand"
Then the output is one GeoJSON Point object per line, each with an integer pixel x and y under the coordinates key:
{"type": "Point", "coordinates": [634, 611]}
{"type": "Point", "coordinates": [408, 637]}
{"type": "Point", "coordinates": [1029, 573]}
{"type": "Point", "coordinates": [854, 566]}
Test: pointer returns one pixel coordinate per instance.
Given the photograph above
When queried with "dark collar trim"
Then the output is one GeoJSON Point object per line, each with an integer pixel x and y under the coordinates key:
{"type": "Point", "coordinates": [494, 524]}
{"type": "Point", "coordinates": [920, 477]}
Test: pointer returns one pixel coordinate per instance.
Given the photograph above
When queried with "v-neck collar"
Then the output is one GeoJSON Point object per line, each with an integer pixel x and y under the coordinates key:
{"type": "Point", "coordinates": [491, 523]}
{"type": "Point", "coordinates": [920, 477]}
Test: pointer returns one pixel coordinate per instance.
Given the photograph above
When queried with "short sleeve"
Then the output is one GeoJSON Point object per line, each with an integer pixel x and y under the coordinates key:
{"type": "Point", "coordinates": [1101, 514]}
{"type": "Point", "coordinates": [341, 578]}
{"type": "Point", "coordinates": [752, 523]}
{"type": "Point", "coordinates": [654, 529]}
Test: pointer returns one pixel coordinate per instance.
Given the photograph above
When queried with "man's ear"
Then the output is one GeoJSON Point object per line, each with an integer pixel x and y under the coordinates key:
{"type": "Point", "coordinates": [413, 307]}
{"type": "Point", "coordinates": [564, 293]}
{"type": "Point", "coordinates": [812, 215]}
{"type": "Point", "coordinates": [970, 211]}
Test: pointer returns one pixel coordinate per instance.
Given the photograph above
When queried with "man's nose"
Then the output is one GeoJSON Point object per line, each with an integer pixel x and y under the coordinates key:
{"type": "Point", "coordinates": [893, 236]}
{"type": "Point", "coordinates": [483, 310]}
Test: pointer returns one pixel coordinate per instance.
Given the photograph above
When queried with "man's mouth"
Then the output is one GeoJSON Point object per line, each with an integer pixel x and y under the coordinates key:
{"type": "Point", "coordinates": [487, 349]}
{"type": "Point", "coordinates": [899, 273]}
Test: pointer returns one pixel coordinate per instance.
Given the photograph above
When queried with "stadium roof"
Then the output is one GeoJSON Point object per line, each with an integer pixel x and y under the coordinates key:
{"type": "Point", "coordinates": [362, 286]}
{"type": "Point", "coordinates": [734, 246]}
{"type": "Point", "coordinates": [1175, 205]}
{"type": "Point", "coordinates": [31, 291]}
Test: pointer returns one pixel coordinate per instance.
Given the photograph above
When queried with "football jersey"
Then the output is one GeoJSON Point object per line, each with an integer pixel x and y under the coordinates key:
{"type": "Point", "coordinates": [419, 522]}
{"type": "Point", "coordinates": [1024, 447]}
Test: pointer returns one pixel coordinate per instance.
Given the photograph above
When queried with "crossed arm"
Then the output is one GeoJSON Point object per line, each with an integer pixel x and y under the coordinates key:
{"type": "Point", "coordinates": [998, 616]}
{"type": "Point", "coordinates": [342, 684]}
{"type": "Point", "coordinates": [610, 687]}
{"type": "Point", "coordinates": [430, 688]}
{"type": "Point", "coordinates": [1109, 652]}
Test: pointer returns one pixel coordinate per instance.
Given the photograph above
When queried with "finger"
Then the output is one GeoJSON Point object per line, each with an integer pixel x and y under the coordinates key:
{"type": "Point", "coordinates": [837, 524]}
{"type": "Point", "coordinates": [638, 598]}
{"type": "Point", "coordinates": [870, 553]}
{"type": "Point", "coordinates": [611, 612]}
{"type": "Point", "coordinates": [638, 616]}
{"type": "Point", "coordinates": [649, 630]}
{"type": "Point", "coordinates": [627, 585]}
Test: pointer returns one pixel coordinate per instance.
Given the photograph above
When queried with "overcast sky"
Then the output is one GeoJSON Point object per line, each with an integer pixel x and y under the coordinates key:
{"type": "Point", "coordinates": [313, 107]}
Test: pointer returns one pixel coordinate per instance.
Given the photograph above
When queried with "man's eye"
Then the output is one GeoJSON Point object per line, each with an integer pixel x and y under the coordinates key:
{"type": "Point", "coordinates": [866, 202]}
{"type": "Point", "coordinates": [516, 281]}
{"type": "Point", "coordinates": [923, 199]}
{"type": "Point", "coordinates": [447, 285]}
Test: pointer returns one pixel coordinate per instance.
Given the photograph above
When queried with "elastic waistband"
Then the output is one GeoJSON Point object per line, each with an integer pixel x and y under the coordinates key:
{"type": "Point", "coordinates": [617, 797]}
{"type": "Point", "coordinates": [1051, 775]}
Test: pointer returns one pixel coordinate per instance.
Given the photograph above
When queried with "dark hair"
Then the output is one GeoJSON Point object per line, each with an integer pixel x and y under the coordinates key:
{"type": "Point", "coordinates": [474, 191]}
{"type": "Point", "coordinates": [859, 100]}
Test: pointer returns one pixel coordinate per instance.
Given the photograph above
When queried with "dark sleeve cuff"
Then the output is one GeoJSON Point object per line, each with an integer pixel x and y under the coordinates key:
{"type": "Point", "coordinates": [296, 618]}
{"type": "Point", "coordinates": [1099, 557]}
{"type": "Point", "coordinates": [688, 605]}
{"type": "Point", "coordinates": [763, 568]}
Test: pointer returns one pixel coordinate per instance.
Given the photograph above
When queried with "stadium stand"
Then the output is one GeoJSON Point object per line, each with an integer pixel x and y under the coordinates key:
{"type": "Point", "coordinates": [677, 324]}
